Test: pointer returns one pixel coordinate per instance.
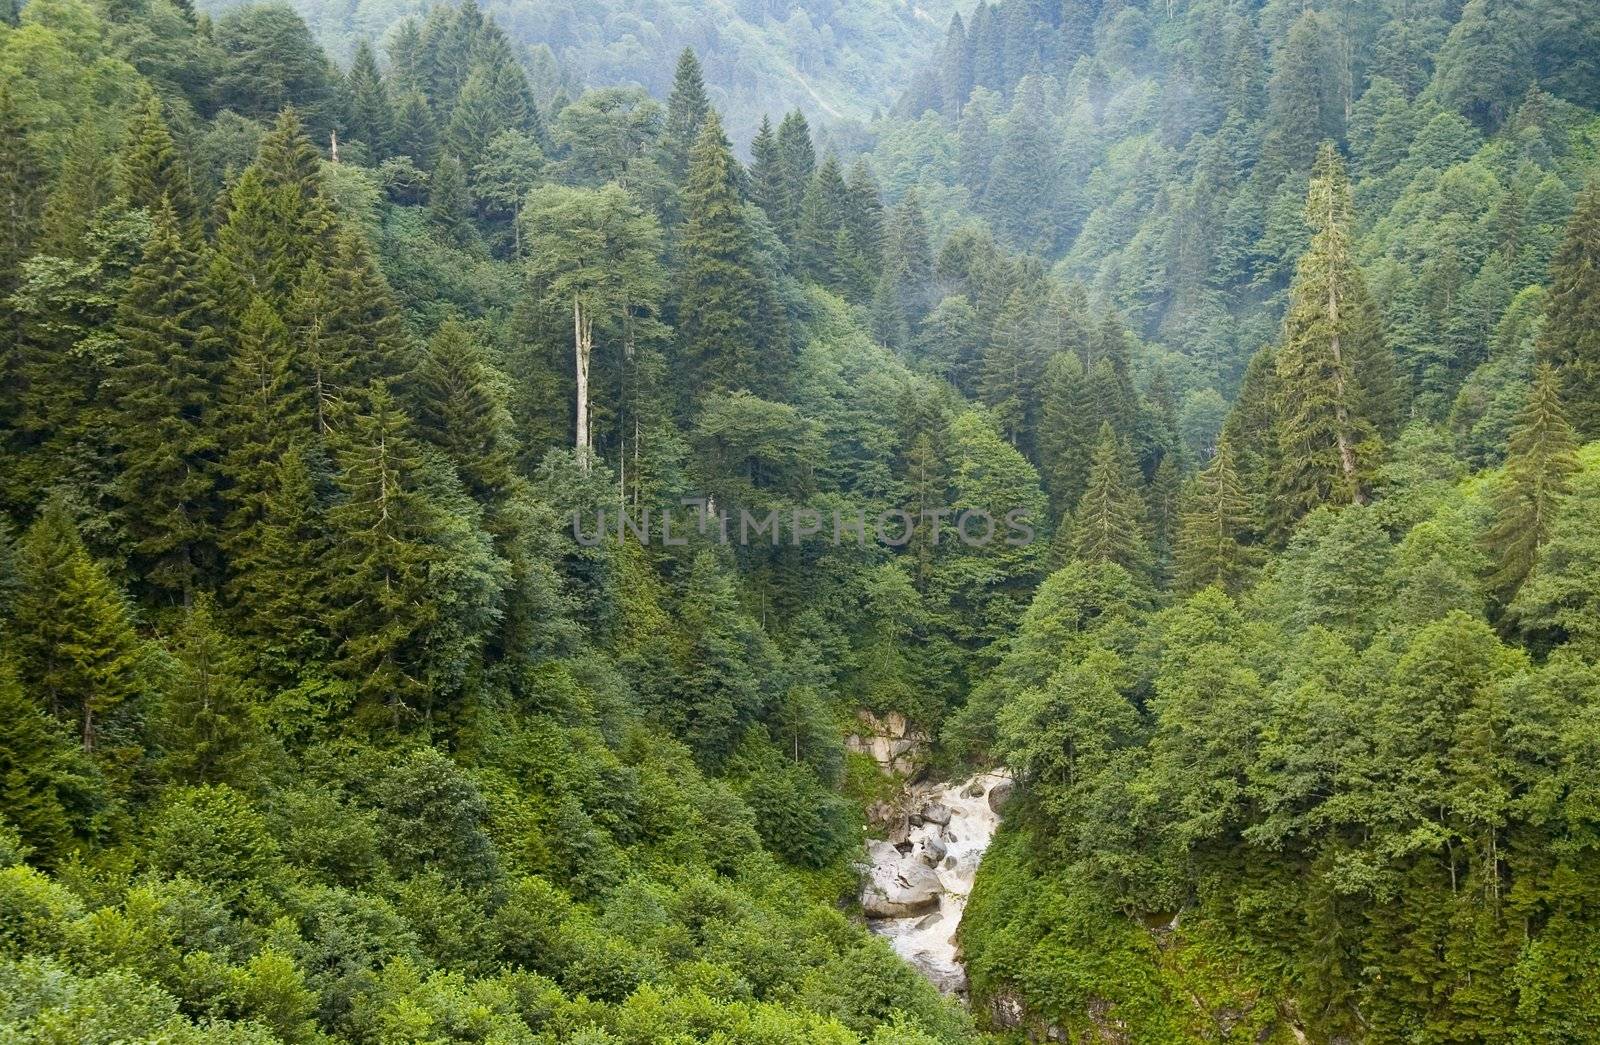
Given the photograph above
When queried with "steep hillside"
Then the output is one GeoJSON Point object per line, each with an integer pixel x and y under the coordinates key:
{"type": "Point", "coordinates": [832, 59]}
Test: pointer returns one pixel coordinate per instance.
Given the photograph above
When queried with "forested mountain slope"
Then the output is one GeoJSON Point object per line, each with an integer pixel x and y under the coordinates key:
{"type": "Point", "coordinates": [834, 60]}
{"type": "Point", "coordinates": [327, 712]}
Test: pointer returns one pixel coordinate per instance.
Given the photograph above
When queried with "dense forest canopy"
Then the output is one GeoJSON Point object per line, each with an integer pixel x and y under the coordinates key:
{"type": "Point", "coordinates": [328, 332]}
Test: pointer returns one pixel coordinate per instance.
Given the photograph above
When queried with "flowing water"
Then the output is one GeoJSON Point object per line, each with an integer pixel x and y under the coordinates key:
{"type": "Point", "coordinates": [916, 890]}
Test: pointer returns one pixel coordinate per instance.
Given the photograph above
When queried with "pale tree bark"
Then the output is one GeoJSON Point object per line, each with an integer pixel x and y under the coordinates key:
{"type": "Point", "coordinates": [583, 344]}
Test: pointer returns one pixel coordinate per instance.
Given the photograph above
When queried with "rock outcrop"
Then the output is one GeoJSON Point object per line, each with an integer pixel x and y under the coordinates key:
{"type": "Point", "coordinates": [899, 748]}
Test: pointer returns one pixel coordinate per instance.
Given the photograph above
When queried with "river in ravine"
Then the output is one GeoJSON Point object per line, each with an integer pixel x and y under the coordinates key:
{"type": "Point", "coordinates": [918, 879]}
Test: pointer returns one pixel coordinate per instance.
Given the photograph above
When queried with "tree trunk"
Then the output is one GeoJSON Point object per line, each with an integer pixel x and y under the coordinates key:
{"type": "Point", "coordinates": [582, 344]}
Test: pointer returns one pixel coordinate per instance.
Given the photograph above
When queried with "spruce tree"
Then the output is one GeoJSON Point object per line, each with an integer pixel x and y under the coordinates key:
{"type": "Point", "coordinates": [861, 245]}
{"type": "Point", "coordinates": [717, 279]}
{"type": "Point", "coordinates": [45, 791]}
{"type": "Point", "coordinates": [416, 132]}
{"type": "Point", "coordinates": [253, 256]}
{"type": "Point", "coordinates": [278, 586]}
{"type": "Point", "coordinates": [1066, 432]}
{"type": "Point", "coordinates": [822, 219]}
{"type": "Point", "coordinates": [72, 632]}
{"type": "Point", "coordinates": [1214, 527]}
{"type": "Point", "coordinates": [291, 169]}
{"type": "Point", "coordinates": [955, 68]}
{"type": "Point", "coordinates": [766, 181]}
{"type": "Point", "coordinates": [461, 409]}
{"type": "Point", "coordinates": [1541, 461]}
{"type": "Point", "coordinates": [209, 724]}
{"type": "Point", "coordinates": [384, 603]}
{"type": "Point", "coordinates": [686, 115]}
{"type": "Point", "coordinates": [152, 170]}
{"type": "Point", "coordinates": [369, 115]}
{"type": "Point", "coordinates": [449, 206]}
{"type": "Point", "coordinates": [161, 390]}
{"type": "Point", "coordinates": [1109, 523]}
{"type": "Point", "coordinates": [253, 425]}
{"type": "Point", "coordinates": [22, 182]}
{"type": "Point", "coordinates": [1331, 366]}
{"type": "Point", "coordinates": [1570, 340]}
{"type": "Point", "coordinates": [1008, 384]}
{"type": "Point", "coordinates": [797, 162]}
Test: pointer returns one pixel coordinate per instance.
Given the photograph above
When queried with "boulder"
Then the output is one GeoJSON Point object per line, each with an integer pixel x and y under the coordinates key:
{"type": "Point", "coordinates": [933, 851]}
{"type": "Point", "coordinates": [928, 921]}
{"type": "Point", "coordinates": [898, 887]}
{"type": "Point", "coordinates": [1000, 794]}
{"type": "Point", "coordinates": [936, 813]}
{"type": "Point", "coordinates": [974, 790]}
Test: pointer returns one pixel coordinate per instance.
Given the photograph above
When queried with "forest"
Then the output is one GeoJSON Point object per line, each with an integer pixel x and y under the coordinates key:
{"type": "Point", "coordinates": [326, 331]}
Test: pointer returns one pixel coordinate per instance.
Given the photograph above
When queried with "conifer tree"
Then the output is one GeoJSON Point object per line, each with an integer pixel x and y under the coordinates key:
{"type": "Point", "coordinates": [277, 587]}
{"type": "Point", "coordinates": [907, 264]}
{"type": "Point", "coordinates": [43, 789]}
{"type": "Point", "coordinates": [72, 632]}
{"type": "Point", "coordinates": [955, 68]}
{"type": "Point", "coordinates": [1540, 462]}
{"type": "Point", "coordinates": [22, 181]}
{"type": "Point", "coordinates": [1008, 384]}
{"type": "Point", "coordinates": [766, 181]}
{"type": "Point", "coordinates": [449, 206]}
{"type": "Point", "coordinates": [797, 162]}
{"type": "Point", "coordinates": [161, 389]}
{"type": "Point", "coordinates": [1213, 529]}
{"type": "Point", "coordinates": [1066, 432]}
{"type": "Point", "coordinates": [416, 132]}
{"type": "Point", "coordinates": [1570, 340]}
{"type": "Point", "coordinates": [1109, 523]}
{"type": "Point", "coordinates": [861, 245]}
{"type": "Point", "coordinates": [253, 424]}
{"type": "Point", "coordinates": [1331, 366]}
{"type": "Point", "coordinates": [292, 171]}
{"type": "Point", "coordinates": [461, 409]}
{"type": "Point", "coordinates": [380, 584]}
{"type": "Point", "coordinates": [209, 726]}
{"type": "Point", "coordinates": [152, 170]}
{"type": "Point", "coordinates": [822, 218]}
{"type": "Point", "coordinates": [687, 107]}
{"type": "Point", "coordinates": [369, 115]}
{"type": "Point", "coordinates": [717, 279]}
{"type": "Point", "coordinates": [253, 257]}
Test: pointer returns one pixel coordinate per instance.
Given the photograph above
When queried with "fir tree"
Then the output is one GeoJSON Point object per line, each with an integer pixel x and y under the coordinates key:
{"type": "Point", "coordinates": [1213, 529]}
{"type": "Point", "coordinates": [209, 724]}
{"type": "Point", "coordinates": [383, 605]}
{"type": "Point", "coordinates": [1109, 523]}
{"type": "Point", "coordinates": [955, 68]}
{"type": "Point", "coordinates": [1332, 363]}
{"type": "Point", "coordinates": [45, 791]}
{"type": "Point", "coordinates": [1008, 384]}
{"type": "Point", "coordinates": [369, 116]}
{"type": "Point", "coordinates": [1066, 432]}
{"type": "Point", "coordinates": [686, 115]}
{"type": "Point", "coordinates": [252, 423]}
{"type": "Point", "coordinates": [162, 389]}
{"type": "Point", "coordinates": [22, 181]}
{"type": "Point", "coordinates": [822, 220]}
{"type": "Point", "coordinates": [1539, 465]}
{"type": "Point", "coordinates": [797, 162]}
{"type": "Point", "coordinates": [861, 245]}
{"type": "Point", "coordinates": [72, 631]}
{"type": "Point", "coordinates": [717, 278]}
{"type": "Point", "coordinates": [449, 206]}
{"type": "Point", "coordinates": [277, 586]}
{"type": "Point", "coordinates": [1570, 340]}
{"type": "Point", "coordinates": [461, 409]}
{"type": "Point", "coordinates": [152, 170]}
{"type": "Point", "coordinates": [766, 182]}
{"type": "Point", "coordinates": [416, 133]}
